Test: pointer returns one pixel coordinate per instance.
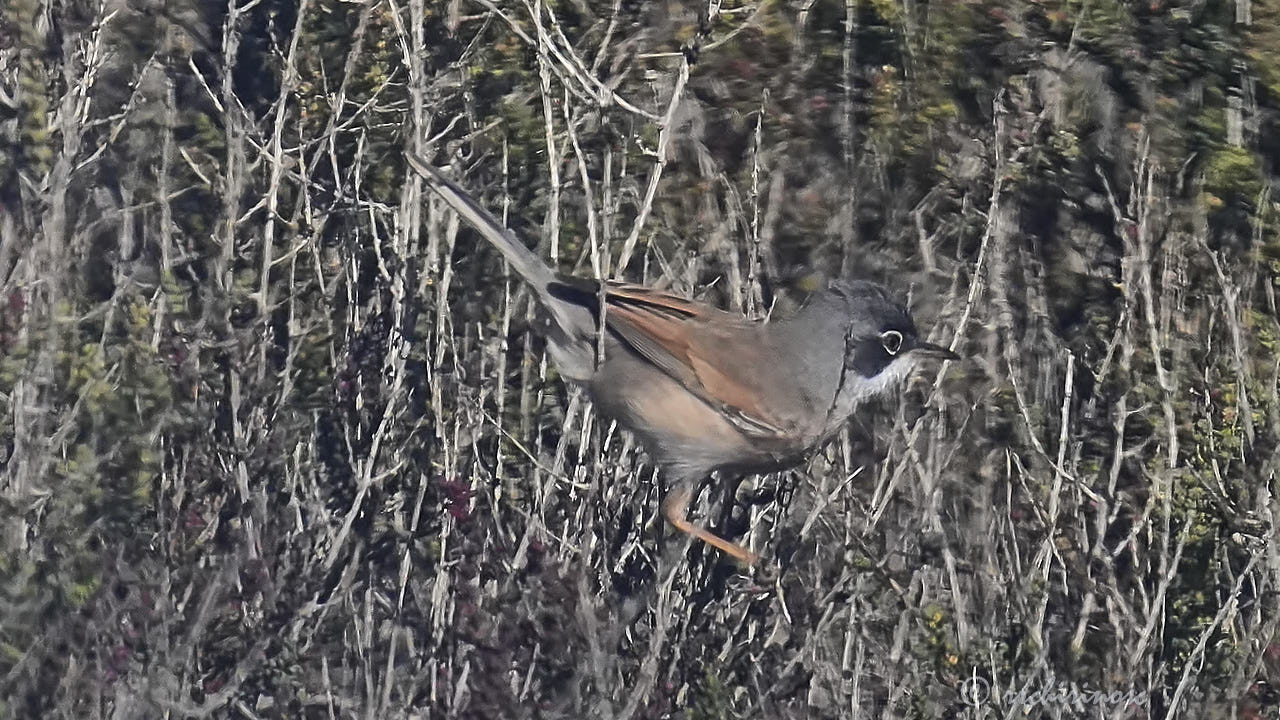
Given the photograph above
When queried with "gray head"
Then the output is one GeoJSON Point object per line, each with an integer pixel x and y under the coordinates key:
{"type": "Point", "coordinates": [881, 340]}
{"type": "Point", "coordinates": [880, 331]}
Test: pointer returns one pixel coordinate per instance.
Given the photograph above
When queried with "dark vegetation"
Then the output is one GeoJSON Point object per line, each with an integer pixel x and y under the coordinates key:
{"type": "Point", "coordinates": [277, 439]}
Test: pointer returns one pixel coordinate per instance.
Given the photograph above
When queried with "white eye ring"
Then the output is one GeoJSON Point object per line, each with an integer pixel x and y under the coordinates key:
{"type": "Point", "coordinates": [892, 341]}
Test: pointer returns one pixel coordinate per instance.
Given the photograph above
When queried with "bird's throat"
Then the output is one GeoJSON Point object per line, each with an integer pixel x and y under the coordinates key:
{"type": "Point", "coordinates": [857, 389]}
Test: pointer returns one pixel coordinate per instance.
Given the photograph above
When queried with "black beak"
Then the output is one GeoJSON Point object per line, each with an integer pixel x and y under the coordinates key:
{"type": "Point", "coordinates": [929, 350]}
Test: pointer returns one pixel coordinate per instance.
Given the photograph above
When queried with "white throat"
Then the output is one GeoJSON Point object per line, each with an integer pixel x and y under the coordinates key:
{"type": "Point", "coordinates": [857, 390]}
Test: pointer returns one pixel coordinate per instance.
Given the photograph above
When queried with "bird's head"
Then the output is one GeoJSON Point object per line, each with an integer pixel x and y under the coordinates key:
{"type": "Point", "coordinates": [882, 344]}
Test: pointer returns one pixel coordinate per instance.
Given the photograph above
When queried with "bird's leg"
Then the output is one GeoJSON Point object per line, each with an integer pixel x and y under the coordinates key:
{"type": "Point", "coordinates": [675, 506]}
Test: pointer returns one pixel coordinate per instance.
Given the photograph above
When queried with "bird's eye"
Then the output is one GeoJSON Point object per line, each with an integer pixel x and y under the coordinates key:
{"type": "Point", "coordinates": [892, 341]}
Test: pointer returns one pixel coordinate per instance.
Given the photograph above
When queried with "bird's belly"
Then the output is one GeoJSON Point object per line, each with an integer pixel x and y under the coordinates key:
{"type": "Point", "coordinates": [679, 430]}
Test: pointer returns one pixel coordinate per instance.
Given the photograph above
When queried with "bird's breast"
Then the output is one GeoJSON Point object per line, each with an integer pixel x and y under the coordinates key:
{"type": "Point", "coordinates": [678, 429]}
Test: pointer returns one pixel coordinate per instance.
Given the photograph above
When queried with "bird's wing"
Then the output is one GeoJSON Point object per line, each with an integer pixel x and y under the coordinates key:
{"type": "Point", "coordinates": [679, 336]}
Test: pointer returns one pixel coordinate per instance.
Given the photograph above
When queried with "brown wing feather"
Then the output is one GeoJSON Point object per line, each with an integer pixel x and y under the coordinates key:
{"type": "Point", "coordinates": [626, 294]}
{"type": "Point", "coordinates": [673, 334]}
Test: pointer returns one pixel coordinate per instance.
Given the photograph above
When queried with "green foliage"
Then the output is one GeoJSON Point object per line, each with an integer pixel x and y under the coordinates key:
{"type": "Point", "coordinates": [1232, 175]}
{"type": "Point", "coordinates": [1262, 45]}
{"type": "Point", "coordinates": [34, 142]}
{"type": "Point", "coordinates": [711, 699]}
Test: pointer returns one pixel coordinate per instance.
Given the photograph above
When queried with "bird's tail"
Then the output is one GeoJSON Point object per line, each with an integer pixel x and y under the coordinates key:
{"type": "Point", "coordinates": [524, 261]}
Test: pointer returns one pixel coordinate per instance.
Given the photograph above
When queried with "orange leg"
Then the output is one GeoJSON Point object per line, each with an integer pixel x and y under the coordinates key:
{"type": "Point", "coordinates": [675, 506]}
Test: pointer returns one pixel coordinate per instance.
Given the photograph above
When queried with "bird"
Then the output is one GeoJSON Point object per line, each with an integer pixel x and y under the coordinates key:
{"type": "Point", "coordinates": [703, 389]}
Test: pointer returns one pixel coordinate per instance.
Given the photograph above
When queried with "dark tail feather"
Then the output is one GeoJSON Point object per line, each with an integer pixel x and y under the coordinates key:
{"type": "Point", "coordinates": [523, 260]}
